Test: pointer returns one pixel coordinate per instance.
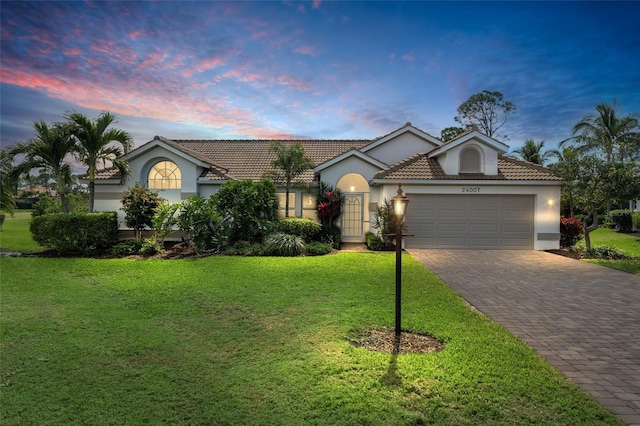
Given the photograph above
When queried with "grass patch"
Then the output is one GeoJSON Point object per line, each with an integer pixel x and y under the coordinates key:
{"type": "Point", "coordinates": [244, 340]}
{"type": "Point", "coordinates": [629, 244]}
{"type": "Point", "coordinates": [15, 234]}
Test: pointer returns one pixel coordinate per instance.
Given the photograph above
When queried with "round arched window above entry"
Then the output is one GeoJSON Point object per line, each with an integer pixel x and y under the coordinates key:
{"type": "Point", "coordinates": [165, 175]}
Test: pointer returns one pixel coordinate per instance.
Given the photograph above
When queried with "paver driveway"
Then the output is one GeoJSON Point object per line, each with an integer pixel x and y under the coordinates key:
{"type": "Point", "coordinates": [583, 318]}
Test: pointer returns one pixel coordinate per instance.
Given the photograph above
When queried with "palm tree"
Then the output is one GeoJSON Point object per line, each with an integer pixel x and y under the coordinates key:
{"type": "Point", "coordinates": [617, 137]}
{"type": "Point", "coordinates": [288, 164]}
{"type": "Point", "coordinates": [532, 152]}
{"type": "Point", "coordinates": [48, 151]}
{"type": "Point", "coordinates": [96, 144]}
{"type": "Point", "coordinates": [7, 184]}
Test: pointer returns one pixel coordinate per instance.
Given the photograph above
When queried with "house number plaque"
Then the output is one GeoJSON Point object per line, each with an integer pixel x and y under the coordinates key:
{"type": "Point", "coordinates": [470, 189]}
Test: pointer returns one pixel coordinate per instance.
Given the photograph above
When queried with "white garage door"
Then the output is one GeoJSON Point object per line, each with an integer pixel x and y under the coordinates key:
{"type": "Point", "coordinates": [470, 221]}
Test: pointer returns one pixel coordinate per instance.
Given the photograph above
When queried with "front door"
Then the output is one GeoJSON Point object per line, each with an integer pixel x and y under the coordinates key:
{"type": "Point", "coordinates": [352, 218]}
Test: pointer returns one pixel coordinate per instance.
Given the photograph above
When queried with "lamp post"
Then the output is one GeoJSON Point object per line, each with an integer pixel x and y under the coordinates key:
{"type": "Point", "coordinates": [399, 208]}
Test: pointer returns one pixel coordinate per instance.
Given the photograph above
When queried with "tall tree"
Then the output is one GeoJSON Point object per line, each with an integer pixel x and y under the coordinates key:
{"type": "Point", "coordinates": [288, 164]}
{"type": "Point", "coordinates": [533, 152]}
{"type": "Point", "coordinates": [486, 110]}
{"type": "Point", "coordinates": [618, 138]}
{"type": "Point", "coordinates": [613, 138]}
{"type": "Point", "coordinates": [449, 133]}
{"type": "Point", "coordinates": [99, 145]}
{"type": "Point", "coordinates": [50, 151]}
{"type": "Point", "coordinates": [567, 166]}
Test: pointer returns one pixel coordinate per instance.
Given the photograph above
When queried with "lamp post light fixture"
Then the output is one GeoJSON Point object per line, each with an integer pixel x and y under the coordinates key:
{"type": "Point", "coordinates": [399, 208]}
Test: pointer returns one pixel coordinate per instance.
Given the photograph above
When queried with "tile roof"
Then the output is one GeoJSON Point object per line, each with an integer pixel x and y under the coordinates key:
{"type": "Point", "coordinates": [104, 174]}
{"type": "Point", "coordinates": [249, 159]}
{"type": "Point", "coordinates": [421, 167]}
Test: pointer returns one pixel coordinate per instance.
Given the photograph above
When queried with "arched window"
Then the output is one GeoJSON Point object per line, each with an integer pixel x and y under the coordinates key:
{"type": "Point", "coordinates": [470, 160]}
{"type": "Point", "coordinates": [165, 175]}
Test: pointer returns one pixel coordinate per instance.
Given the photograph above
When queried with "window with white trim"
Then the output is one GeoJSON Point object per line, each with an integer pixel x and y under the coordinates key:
{"type": "Point", "coordinates": [470, 160]}
{"type": "Point", "coordinates": [165, 175]}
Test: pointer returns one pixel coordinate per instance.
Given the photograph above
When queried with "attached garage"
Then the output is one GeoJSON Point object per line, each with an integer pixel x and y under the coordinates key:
{"type": "Point", "coordinates": [470, 221]}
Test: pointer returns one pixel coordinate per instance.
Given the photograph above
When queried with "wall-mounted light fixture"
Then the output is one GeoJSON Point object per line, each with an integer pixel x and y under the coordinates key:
{"type": "Point", "coordinates": [353, 188]}
{"type": "Point", "coordinates": [550, 202]}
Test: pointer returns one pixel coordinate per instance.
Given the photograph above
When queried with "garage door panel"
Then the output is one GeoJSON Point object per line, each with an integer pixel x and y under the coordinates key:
{"type": "Point", "coordinates": [470, 221]}
{"type": "Point", "coordinates": [485, 227]}
{"type": "Point", "coordinates": [484, 243]}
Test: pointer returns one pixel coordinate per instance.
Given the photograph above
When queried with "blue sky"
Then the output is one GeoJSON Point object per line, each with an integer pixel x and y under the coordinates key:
{"type": "Point", "coordinates": [321, 69]}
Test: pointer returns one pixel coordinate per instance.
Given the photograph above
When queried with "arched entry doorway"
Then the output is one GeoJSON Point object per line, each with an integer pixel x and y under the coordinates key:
{"type": "Point", "coordinates": [354, 215]}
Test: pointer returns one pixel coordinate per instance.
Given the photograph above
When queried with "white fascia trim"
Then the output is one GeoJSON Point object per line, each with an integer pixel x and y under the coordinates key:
{"type": "Point", "coordinates": [158, 143]}
{"type": "Point", "coordinates": [375, 182]}
{"type": "Point", "coordinates": [410, 129]}
{"type": "Point", "coordinates": [350, 153]}
{"type": "Point", "coordinates": [486, 140]}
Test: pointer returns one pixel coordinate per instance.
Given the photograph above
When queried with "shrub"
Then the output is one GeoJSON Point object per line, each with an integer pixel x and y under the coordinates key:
{"type": "Point", "coordinates": [635, 217]}
{"type": "Point", "coordinates": [318, 249]}
{"type": "Point", "coordinates": [76, 233]}
{"type": "Point", "coordinates": [622, 220]}
{"type": "Point", "coordinates": [571, 231]}
{"type": "Point", "coordinates": [248, 208]}
{"type": "Point", "coordinates": [331, 235]}
{"type": "Point", "coordinates": [151, 246]}
{"type": "Point", "coordinates": [202, 225]}
{"type": "Point", "coordinates": [307, 229]}
{"type": "Point", "coordinates": [374, 242]}
{"type": "Point", "coordinates": [139, 205]}
{"type": "Point", "coordinates": [50, 205]}
{"type": "Point", "coordinates": [280, 244]}
{"type": "Point", "coordinates": [330, 203]}
{"type": "Point", "coordinates": [164, 220]}
{"type": "Point", "coordinates": [126, 248]}
{"type": "Point", "coordinates": [385, 222]}
{"type": "Point", "coordinates": [245, 248]}
{"type": "Point", "coordinates": [605, 252]}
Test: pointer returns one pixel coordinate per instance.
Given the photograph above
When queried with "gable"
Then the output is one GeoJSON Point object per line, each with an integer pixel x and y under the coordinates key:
{"type": "Point", "coordinates": [350, 162]}
{"type": "Point", "coordinates": [472, 152]}
{"type": "Point", "coordinates": [401, 144]}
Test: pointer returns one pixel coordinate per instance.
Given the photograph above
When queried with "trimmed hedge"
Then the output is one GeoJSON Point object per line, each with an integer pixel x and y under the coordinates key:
{"type": "Point", "coordinates": [78, 233]}
{"type": "Point", "coordinates": [571, 231]}
{"type": "Point", "coordinates": [636, 219]}
{"type": "Point", "coordinates": [307, 229]}
{"type": "Point", "coordinates": [622, 220]}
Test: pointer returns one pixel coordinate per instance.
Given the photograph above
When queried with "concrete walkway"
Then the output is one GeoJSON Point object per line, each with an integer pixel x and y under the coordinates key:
{"type": "Point", "coordinates": [583, 318]}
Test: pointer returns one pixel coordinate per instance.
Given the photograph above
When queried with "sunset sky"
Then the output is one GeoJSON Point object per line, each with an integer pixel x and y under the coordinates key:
{"type": "Point", "coordinates": [321, 69]}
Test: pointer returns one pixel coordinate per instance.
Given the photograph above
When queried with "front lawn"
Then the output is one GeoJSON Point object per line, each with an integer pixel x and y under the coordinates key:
{"type": "Point", "coordinates": [629, 244]}
{"type": "Point", "coordinates": [248, 340]}
{"type": "Point", "coordinates": [15, 235]}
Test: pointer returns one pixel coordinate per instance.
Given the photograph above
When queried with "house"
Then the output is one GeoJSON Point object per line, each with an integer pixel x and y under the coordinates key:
{"type": "Point", "coordinates": [464, 193]}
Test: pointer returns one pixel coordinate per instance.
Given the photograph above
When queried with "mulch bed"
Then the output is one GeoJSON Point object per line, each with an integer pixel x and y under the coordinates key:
{"type": "Point", "coordinates": [409, 343]}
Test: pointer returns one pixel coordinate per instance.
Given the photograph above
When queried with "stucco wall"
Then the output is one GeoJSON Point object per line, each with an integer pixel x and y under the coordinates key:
{"type": "Point", "coordinates": [400, 148]}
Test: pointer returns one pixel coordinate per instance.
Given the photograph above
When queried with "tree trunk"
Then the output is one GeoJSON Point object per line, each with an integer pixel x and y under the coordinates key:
{"type": "Point", "coordinates": [63, 197]}
{"type": "Point", "coordinates": [92, 187]}
{"type": "Point", "coordinates": [286, 201]}
{"type": "Point", "coordinates": [587, 229]}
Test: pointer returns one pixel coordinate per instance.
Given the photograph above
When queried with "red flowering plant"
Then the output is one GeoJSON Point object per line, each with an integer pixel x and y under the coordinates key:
{"type": "Point", "coordinates": [329, 204]}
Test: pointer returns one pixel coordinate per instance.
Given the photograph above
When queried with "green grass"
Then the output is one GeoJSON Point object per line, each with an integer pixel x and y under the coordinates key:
{"type": "Point", "coordinates": [15, 234]}
{"type": "Point", "coordinates": [242, 340]}
{"type": "Point", "coordinates": [628, 244]}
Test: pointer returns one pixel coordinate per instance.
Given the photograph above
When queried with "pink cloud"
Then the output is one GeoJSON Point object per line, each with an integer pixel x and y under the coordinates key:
{"type": "Point", "coordinates": [316, 4]}
{"type": "Point", "coordinates": [306, 50]}
{"type": "Point", "coordinates": [291, 81]}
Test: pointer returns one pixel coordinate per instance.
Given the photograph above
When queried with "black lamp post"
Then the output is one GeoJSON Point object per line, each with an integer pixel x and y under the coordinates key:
{"type": "Point", "coordinates": [399, 208]}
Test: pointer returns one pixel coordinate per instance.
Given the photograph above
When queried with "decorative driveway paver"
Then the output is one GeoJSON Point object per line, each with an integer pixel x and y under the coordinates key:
{"type": "Point", "coordinates": [583, 318]}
